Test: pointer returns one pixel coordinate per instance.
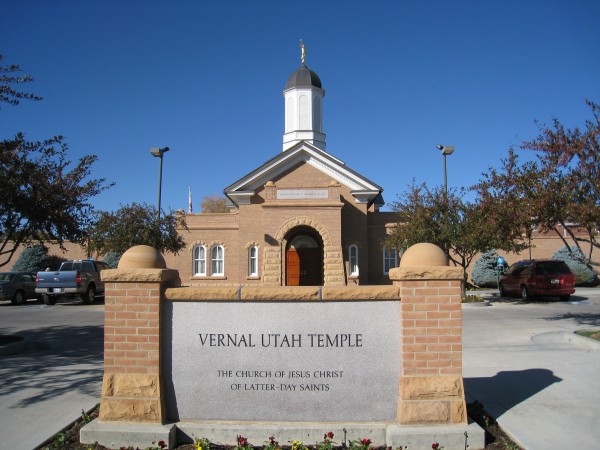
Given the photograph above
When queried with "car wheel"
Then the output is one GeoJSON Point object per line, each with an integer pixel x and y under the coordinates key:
{"type": "Point", "coordinates": [502, 290]}
{"type": "Point", "coordinates": [19, 298]}
{"type": "Point", "coordinates": [49, 300]}
{"type": "Point", "coordinates": [525, 294]}
{"type": "Point", "coordinates": [90, 295]}
{"type": "Point", "coordinates": [564, 298]}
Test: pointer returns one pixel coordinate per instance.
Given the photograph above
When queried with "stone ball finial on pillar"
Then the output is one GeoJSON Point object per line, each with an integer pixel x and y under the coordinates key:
{"type": "Point", "coordinates": [423, 255]}
{"type": "Point", "coordinates": [142, 257]}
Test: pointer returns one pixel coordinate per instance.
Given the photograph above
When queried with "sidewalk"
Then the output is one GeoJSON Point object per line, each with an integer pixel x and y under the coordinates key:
{"type": "Point", "coordinates": [518, 362]}
{"type": "Point", "coordinates": [44, 388]}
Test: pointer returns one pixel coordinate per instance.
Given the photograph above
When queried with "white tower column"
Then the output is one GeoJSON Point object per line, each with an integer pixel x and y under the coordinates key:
{"type": "Point", "coordinates": [303, 115]}
{"type": "Point", "coordinates": [303, 95]}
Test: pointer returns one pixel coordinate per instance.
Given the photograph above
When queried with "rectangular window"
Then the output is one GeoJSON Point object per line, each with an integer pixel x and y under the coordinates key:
{"type": "Point", "coordinates": [390, 259]}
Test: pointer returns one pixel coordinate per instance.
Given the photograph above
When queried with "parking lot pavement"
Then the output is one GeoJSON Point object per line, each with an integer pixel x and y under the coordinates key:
{"type": "Point", "coordinates": [520, 361]}
{"type": "Point", "coordinates": [46, 387]}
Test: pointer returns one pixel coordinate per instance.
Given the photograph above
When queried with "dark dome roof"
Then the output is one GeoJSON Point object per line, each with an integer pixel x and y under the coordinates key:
{"type": "Point", "coordinates": [303, 77]}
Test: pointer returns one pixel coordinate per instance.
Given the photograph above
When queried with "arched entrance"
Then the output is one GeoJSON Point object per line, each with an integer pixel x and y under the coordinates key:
{"type": "Point", "coordinates": [304, 260]}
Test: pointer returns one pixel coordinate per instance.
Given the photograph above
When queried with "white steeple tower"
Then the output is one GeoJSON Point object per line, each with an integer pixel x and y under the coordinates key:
{"type": "Point", "coordinates": [303, 107]}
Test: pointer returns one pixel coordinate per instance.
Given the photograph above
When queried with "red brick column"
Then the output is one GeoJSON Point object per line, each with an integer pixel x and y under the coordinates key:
{"type": "Point", "coordinates": [132, 385]}
{"type": "Point", "coordinates": [431, 386]}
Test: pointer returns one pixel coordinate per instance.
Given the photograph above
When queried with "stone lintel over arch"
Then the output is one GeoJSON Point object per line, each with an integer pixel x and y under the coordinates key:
{"type": "Point", "coordinates": [315, 224]}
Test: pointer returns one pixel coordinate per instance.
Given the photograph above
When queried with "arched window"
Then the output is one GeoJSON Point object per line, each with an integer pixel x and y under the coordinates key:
{"type": "Point", "coordinates": [217, 260]}
{"type": "Point", "coordinates": [390, 259]}
{"type": "Point", "coordinates": [199, 261]}
{"type": "Point", "coordinates": [253, 261]}
{"type": "Point", "coordinates": [353, 259]}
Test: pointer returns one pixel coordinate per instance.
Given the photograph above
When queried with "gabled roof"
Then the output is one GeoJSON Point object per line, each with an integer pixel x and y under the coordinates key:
{"type": "Point", "coordinates": [364, 190]}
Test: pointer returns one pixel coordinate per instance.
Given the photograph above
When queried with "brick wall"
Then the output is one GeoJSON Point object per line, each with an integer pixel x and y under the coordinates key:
{"type": "Point", "coordinates": [431, 327]}
{"type": "Point", "coordinates": [431, 385]}
{"type": "Point", "coordinates": [131, 328]}
{"type": "Point", "coordinates": [132, 383]}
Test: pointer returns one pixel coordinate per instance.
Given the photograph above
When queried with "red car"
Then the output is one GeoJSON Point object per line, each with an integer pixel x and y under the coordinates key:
{"type": "Point", "coordinates": [538, 277]}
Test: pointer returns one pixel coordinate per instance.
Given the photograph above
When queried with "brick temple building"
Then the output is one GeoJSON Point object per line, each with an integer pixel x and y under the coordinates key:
{"type": "Point", "coordinates": [302, 218]}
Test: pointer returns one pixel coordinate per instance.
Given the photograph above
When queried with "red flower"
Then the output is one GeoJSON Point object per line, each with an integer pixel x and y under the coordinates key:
{"type": "Point", "coordinates": [435, 445]}
{"type": "Point", "coordinates": [242, 441]}
{"type": "Point", "coordinates": [162, 444]}
{"type": "Point", "coordinates": [365, 441]}
{"type": "Point", "coordinates": [330, 435]}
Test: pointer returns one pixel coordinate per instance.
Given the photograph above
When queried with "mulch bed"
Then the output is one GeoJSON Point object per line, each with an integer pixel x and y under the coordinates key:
{"type": "Point", "coordinates": [9, 339]}
{"type": "Point", "coordinates": [495, 438]}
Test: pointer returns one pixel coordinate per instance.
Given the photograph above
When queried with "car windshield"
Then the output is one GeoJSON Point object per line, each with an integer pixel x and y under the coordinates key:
{"type": "Point", "coordinates": [552, 268]}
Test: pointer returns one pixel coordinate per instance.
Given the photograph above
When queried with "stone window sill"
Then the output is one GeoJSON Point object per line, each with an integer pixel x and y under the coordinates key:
{"type": "Point", "coordinates": [203, 277]}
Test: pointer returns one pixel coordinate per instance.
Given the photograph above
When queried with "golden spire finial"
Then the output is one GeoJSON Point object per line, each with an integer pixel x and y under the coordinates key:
{"type": "Point", "coordinates": [303, 52]}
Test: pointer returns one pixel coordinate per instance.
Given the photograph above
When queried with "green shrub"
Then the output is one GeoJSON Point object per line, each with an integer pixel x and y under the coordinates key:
{"type": "Point", "coordinates": [484, 272]}
{"type": "Point", "coordinates": [112, 259]}
{"type": "Point", "coordinates": [584, 273]}
{"type": "Point", "coordinates": [35, 259]}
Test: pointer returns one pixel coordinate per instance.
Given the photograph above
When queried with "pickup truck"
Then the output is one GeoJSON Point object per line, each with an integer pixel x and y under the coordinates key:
{"type": "Point", "coordinates": [77, 278]}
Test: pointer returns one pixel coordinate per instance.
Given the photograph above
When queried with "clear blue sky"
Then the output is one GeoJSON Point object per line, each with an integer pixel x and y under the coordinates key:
{"type": "Point", "coordinates": [205, 78]}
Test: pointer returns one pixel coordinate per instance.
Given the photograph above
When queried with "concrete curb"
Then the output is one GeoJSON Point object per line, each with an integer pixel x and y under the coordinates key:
{"type": "Point", "coordinates": [137, 435]}
{"type": "Point", "coordinates": [115, 435]}
{"type": "Point", "coordinates": [566, 337]}
{"type": "Point", "coordinates": [477, 304]}
{"type": "Point", "coordinates": [14, 347]}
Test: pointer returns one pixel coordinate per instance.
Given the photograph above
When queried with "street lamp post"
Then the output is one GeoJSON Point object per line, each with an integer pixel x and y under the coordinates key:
{"type": "Point", "coordinates": [159, 152]}
{"type": "Point", "coordinates": [446, 150]}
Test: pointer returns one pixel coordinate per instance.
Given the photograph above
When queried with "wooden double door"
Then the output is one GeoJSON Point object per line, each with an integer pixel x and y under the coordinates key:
{"type": "Point", "coordinates": [304, 267]}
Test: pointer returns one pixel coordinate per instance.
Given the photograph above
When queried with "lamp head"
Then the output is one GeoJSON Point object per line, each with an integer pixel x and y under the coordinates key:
{"type": "Point", "coordinates": [446, 149]}
{"type": "Point", "coordinates": [158, 152]}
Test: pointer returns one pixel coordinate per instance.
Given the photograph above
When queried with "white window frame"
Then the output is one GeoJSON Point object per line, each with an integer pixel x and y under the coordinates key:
{"type": "Point", "coordinates": [199, 261]}
{"type": "Point", "coordinates": [390, 259]}
{"type": "Point", "coordinates": [253, 261]}
{"type": "Point", "coordinates": [217, 261]}
{"type": "Point", "coordinates": [353, 260]}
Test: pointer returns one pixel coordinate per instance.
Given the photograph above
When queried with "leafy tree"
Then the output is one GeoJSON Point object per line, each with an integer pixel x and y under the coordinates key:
{"type": "Point", "coordinates": [9, 77]}
{"type": "Point", "coordinates": [43, 196]}
{"type": "Point", "coordinates": [558, 190]}
{"type": "Point", "coordinates": [213, 204]}
{"type": "Point", "coordinates": [485, 269]}
{"type": "Point", "coordinates": [35, 259]}
{"type": "Point", "coordinates": [136, 224]}
{"type": "Point", "coordinates": [584, 274]}
{"type": "Point", "coordinates": [444, 219]}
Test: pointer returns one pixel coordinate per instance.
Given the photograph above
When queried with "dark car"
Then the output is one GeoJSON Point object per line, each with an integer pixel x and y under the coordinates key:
{"type": "Point", "coordinates": [533, 277]}
{"type": "Point", "coordinates": [17, 286]}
